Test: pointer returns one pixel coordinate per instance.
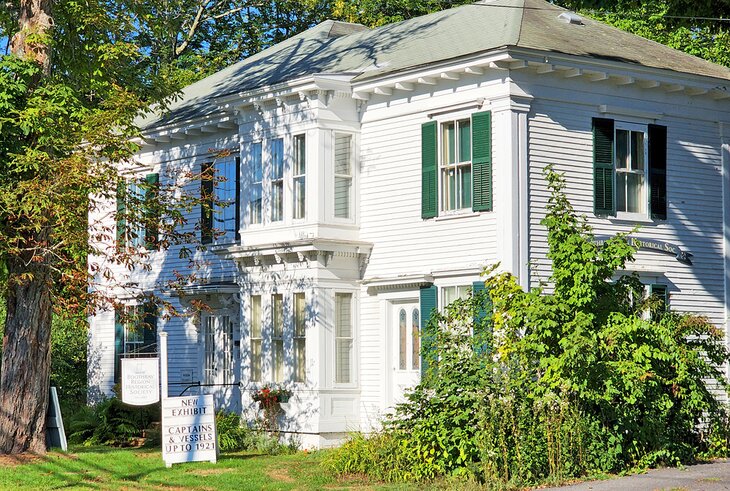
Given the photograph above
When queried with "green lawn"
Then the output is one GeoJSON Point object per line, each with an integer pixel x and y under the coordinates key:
{"type": "Point", "coordinates": [105, 468]}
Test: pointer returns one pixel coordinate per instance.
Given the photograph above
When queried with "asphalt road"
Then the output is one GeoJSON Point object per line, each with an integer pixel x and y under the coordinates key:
{"type": "Point", "coordinates": [714, 476]}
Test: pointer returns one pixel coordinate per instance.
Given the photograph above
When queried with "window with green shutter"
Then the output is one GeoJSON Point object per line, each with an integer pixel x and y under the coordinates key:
{"type": "Point", "coordinates": [429, 176]}
{"type": "Point", "coordinates": [152, 211]}
{"type": "Point", "coordinates": [629, 165]}
{"type": "Point", "coordinates": [481, 127]}
{"type": "Point", "coordinates": [603, 167]}
{"type": "Point", "coordinates": [456, 159]}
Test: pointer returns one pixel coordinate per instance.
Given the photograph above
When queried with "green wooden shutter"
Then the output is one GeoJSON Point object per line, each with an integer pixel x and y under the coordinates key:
{"type": "Point", "coordinates": [149, 331]}
{"type": "Point", "coordinates": [121, 213]}
{"type": "Point", "coordinates": [483, 319]}
{"type": "Point", "coordinates": [152, 211]}
{"type": "Point", "coordinates": [603, 170]}
{"type": "Point", "coordinates": [481, 138]}
{"type": "Point", "coordinates": [429, 302]}
{"type": "Point", "coordinates": [238, 199]}
{"type": "Point", "coordinates": [658, 171]}
{"type": "Point", "coordinates": [429, 170]}
{"type": "Point", "coordinates": [206, 203]}
{"type": "Point", "coordinates": [118, 345]}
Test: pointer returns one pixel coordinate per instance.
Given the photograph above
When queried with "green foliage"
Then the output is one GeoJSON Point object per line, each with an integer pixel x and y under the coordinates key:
{"type": "Point", "coordinates": [110, 422]}
{"type": "Point", "coordinates": [69, 342]}
{"type": "Point", "coordinates": [232, 437]}
{"type": "Point", "coordinates": [572, 378]}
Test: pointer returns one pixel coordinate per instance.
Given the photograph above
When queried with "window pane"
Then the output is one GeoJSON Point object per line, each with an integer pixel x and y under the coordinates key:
{"type": "Point", "coordinates": [342, 197]}
{"type": "Point", "coordinates": [465, 186]}
{"type": "Point", "coordinates": [299, 169]}
{"type": "Point", "coordinates": [622, 149]}
{"type": "Point", "coordinates": [343, 337]}
{"type": "Point", "coordinates": [209, 340]}
{"type": "Point", "coordinates": [343, 154]}
{"type": "Point", "coordinates": [403, 340]}
{"type": "Point", "coordinates": [256, 316]}
{"type": "Point", "coordinates": [278, 316]}
{"type": "Point", "coordinates": [277, 158]}
{"type": "Point", "coordinates": [635, 193]}
{"type": "Point", "coordinates": [416, 339]}
{"type": "Point", "coordinates": [299, 314]}
{"type": "Point", "coordinates": [278, 351]}
{"type": "Point", "coordinates": [621, 191]}
{"type": "Point", "coordinates": [637, 150]}
{"type": "Point", "coordinates": [256, 360]}
{"type": "Point", "coordinates": [277, 201]}
{"type": "Point", "coordinates": [224, 207]}
{"type": "Point", "coordinates": [299, 196]}
{"type": "Point", "coordinates": [299, 155]}
{"type": "Point", "coordinates": [300, 353]}
{"type": "Point", "coordinates": [464, 141]}
{"type": "Point", "coordinates": [257, 175]}
{"type": "Point", "coordinates": [448, 143]}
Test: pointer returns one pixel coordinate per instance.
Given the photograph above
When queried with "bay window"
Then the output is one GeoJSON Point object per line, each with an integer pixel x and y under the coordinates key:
{"type": "Point", "coordinates": [256, 338]}
{"type": "Point", "coordinates": [256, 207]}
{"type": "Point", "coordinates": [277, 179]}
{"type": "Point", "coordinates": [344, 339]}
{"type": "Point", "coordinates": [299, 167]}
{"type": "Point", "coordinates": [300, 339]}
{"type": "Point", "coordinates": [343, 175]}
{"type": "Point", "coordinates": [277, 337]}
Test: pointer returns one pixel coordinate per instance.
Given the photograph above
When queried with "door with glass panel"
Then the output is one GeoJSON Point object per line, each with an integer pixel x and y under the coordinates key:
{"type": "Point", "coordinates": [220, 374]}
{"type": "Point", "coordinates": [406, 348]}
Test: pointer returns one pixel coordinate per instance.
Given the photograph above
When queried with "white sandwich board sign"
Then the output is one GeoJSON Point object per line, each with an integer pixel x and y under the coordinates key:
{"type": "Point", "coordinates": [188, 429]}
{"type": "Point", "coordinates": [188, 422]}
{"type": "Point", "coordinates": [140, 381]}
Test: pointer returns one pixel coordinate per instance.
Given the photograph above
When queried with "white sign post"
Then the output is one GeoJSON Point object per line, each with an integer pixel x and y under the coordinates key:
{"type": "Point", "coordinates": [188, 423]}
{"type": "Point", "coordinates": [140, 381]}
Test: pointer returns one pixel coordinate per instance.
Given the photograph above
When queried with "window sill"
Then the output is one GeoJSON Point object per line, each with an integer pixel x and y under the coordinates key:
{"type": "Point", "coordinates": [631, 218]}
{"type": "Point", "coordinates": [456, 215]}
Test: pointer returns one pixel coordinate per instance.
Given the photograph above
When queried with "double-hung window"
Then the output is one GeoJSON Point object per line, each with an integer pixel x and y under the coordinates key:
{"type": "Point", "coordinates": [344, 339]}
{"type": "Point", "coordinates": [276, 157]}
{"type": "Point", "coordinates": [256, 205]}
{"type": "Point", "coordinates": [456, 165]}
{"type": "Point", "coordinates": [277, 337]}
{"type": "Point", "coordinates": [138, 212]}
{"type": "Point", "coordinates": [220, 191]}
{"type": "Point", "coordinates": [299, 170]}
{"type": "Point", "coordinates": [629, 162]}
{"type": "Point", "coordinates": [256, 338]}
{"type": "Point", "coordinates": [300, 337]}
{"type": "Point", "coordinates": [343, 175]}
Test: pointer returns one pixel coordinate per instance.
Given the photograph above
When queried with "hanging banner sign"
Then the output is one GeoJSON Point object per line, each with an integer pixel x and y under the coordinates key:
{"type": "Point", "coordinates": [188, 429]}
{"type": "Point", "coordinates": [140, 381]}
{"type": "Point", "coordinates": [654, 245]}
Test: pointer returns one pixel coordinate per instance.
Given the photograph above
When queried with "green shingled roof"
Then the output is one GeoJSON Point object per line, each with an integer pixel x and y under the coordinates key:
{"type": "Point", "coordinates": [333, 47]}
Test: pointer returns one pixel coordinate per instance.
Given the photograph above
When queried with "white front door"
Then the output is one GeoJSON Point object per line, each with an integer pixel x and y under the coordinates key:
{"type": "Point", "coordinates": [406, 348]}
{"type": "Point", "coordinates": [220, 360]}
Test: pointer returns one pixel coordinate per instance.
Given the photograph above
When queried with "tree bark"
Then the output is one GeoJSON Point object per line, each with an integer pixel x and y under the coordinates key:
{"type": "Point", "coordinates": [30, 42]}
{"type": "Point", "coordinates": [26, 361]}
{"type": "Point", "coordinates": [26, 356]}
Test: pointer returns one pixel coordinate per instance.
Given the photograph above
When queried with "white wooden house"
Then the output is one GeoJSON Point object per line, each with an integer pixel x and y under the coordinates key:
{"type": "Point", "coordinates": [374, 173]}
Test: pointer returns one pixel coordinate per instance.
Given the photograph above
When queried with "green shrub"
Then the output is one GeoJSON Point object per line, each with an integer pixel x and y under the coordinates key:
{"type": "Point", "coordinates": [110, 422]}
{"type": "Point", "coordinates": [232, 437]}
{"type": "Point", "coordinates": [580, 375]}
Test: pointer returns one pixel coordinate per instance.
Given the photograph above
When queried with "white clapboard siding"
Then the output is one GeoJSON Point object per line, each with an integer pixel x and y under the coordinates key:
{"type": "Point", "coordinates": [560, 134]}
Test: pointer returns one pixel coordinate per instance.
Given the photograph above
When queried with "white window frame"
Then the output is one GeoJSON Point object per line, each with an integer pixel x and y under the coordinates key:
{"type": "Point", "coordinates": [224, 203]}
{"type": "Point", "coordinates": [457, 167]}
{"type": "Point", "coordinates": [352, 358]}
{"type": "Point", "coordinates": [278, 329]}
{"type": "Point", "coordinates": [644, 198]}
{"type": "Point", "coordinates": [299, 176]}
{"type": "Point", "coordinates": [349, 178]}
{"type": "Point", "coordinates": [276, 182]}
{"type": "Point", "coordinates": [256, 196]}
{"type": "Point", "coordinates": [256, 373]}
{"type": "Point", "coordinates": [299, 338]}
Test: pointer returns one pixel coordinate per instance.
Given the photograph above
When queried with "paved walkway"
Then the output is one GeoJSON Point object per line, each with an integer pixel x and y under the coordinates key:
{"type": "Point", "coordinates": [701, 477]}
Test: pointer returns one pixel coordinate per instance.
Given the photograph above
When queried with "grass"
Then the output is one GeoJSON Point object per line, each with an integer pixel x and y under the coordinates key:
{"type": "Point", "coordinates": [139, 469]}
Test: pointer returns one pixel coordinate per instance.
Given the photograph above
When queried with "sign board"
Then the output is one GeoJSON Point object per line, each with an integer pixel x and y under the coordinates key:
{"type": "Point", "coordinates": [55, 434]}
{"type": "Point", "coordinates": [140, 381]}
{"type": "Point", "coordinates": [188, 429]}
{"type": "Point", "coordinates": [653, 245]}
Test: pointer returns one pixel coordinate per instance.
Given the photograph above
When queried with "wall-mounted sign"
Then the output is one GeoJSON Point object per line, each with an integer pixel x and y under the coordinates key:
{"type": "Point", "coordinates": [188, 429]}
{"type": "Point", "coordinates": [654, 245]}
{"type": "Point", "coordinates": [140, 381]}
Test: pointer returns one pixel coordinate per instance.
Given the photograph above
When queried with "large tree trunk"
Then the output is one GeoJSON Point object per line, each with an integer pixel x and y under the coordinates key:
{"type": "Point", "coordinates": [26, 361]}
{"type": "Point", "coordinates": [26, 357]}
